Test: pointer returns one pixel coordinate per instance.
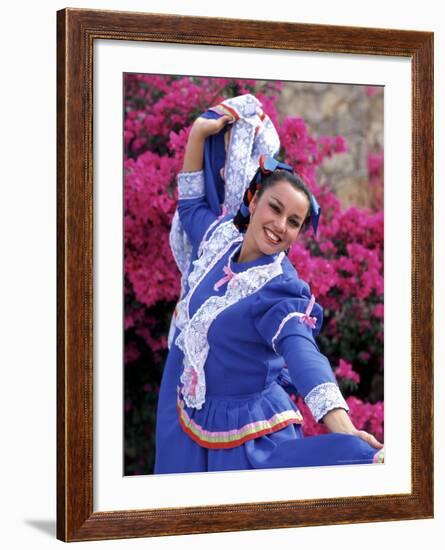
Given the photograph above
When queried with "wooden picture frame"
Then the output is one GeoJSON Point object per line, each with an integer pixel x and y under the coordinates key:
{"type": "Point", "coordinates": [76, 32]}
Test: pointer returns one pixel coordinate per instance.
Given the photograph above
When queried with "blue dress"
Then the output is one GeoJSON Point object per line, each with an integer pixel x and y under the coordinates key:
{"type": "Point", "coordinates": [220, 404]}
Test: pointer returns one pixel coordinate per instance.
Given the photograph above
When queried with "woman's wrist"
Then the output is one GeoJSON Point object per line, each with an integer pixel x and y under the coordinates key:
{"type": "Point", "coordinates": [337, 420]}
{"type": "Point", "coordinates": [199, 130]}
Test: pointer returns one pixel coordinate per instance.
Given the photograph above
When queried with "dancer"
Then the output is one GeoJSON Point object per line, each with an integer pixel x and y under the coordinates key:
{"type": "Point", "coordinates": [243, 310]}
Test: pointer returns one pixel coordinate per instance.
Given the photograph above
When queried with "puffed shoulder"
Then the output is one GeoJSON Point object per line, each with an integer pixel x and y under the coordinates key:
{"type": "Point", "coordinates": [285, 285]}
{"type": "Point", "coordinates": [286, 306]}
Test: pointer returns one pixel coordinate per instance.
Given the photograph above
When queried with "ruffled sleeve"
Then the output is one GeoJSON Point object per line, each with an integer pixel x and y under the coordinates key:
{"type": "Point", "coordinates": [287, 319]}
{"type": "Point", "coordinates": [195, 215]}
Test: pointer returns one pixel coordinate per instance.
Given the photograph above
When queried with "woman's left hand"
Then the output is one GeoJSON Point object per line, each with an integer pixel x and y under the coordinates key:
{"type": "Point", "coordinates": [369, 438]}
{"type": "Point", "coordinates": [338, 421]}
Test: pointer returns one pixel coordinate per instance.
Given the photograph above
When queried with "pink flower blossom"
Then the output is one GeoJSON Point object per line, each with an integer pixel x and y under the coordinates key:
{"type": "Point", "coordinates": [378, 311]}
{"type": "Point", "coordinates": [344, 370]}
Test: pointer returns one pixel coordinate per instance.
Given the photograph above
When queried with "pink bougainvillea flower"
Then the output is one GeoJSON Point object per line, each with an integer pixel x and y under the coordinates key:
{"type": "Point", "coordinates": [345, 370]}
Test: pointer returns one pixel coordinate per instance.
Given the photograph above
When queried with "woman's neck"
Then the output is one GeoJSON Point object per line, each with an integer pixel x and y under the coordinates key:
{"type": "Point", "coordinates": [246, 254]}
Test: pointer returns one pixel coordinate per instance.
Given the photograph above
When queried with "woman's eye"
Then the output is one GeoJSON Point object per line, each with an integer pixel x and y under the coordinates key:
{"type": "Point", "coordinates": [274, 207]}
{"type": "Point", "coordinates": [294, 223]}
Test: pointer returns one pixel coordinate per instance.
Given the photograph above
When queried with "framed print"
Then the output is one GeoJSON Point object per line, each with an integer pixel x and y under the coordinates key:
{"type": "Point", "coordinates": [103, 62]}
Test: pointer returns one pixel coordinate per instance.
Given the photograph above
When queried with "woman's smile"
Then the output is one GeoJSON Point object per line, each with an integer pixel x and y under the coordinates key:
{"type": "Point", "coordinates": [276, 218]}
{"type": "Point", "coordinates": [271, 236]}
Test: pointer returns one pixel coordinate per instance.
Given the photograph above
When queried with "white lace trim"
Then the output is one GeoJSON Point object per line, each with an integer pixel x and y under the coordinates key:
{"type": "Point", "coordinates": [246, 105]}
{"type": "Point", "coordinates": [191, 185]}
{"type": "Point", "coordinates": [218, 244]}
{"type": "Point", "coordinates": [193, 338]}
{"type": "Point", "coordinates": [181, 246]}
{"type": "Point", "coordinates": [323, 398]}
{"type": "Point", "coordinates": [204, 239]}
{"type": "Point", "coordinates": [240, 149]}
{"type": "Point", "coordinates": [252, 135]}
{"type": "Point", "coordinates": [283, 322]}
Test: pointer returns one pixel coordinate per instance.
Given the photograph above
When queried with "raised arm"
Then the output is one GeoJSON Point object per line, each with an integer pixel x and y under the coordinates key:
{"type": "Point", "coordinates": [201, 129]}
{"type": "Point", "coordinates": [193, 208]}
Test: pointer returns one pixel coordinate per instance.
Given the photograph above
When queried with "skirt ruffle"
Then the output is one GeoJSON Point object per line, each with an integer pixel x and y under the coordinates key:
{"type": "Point", "coordinates": [225, 422]}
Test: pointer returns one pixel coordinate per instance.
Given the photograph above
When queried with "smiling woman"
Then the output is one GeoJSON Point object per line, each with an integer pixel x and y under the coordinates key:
{"type": "Point", "coordinates": [279, 209]}
{"type": "Point", "coordinates": [244, 317]}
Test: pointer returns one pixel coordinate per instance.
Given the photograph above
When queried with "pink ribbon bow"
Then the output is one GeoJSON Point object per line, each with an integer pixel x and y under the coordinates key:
{"type": "Point", "coordinates": [193, 383]}
{"type": "Point", "coordinates": [229, 274]}
{"type": "Point", "coordinates": [305, 318]}
{"type": "Point", "coordinates": [190, 384]}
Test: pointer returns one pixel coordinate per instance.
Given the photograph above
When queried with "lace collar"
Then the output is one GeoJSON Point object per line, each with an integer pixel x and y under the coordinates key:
{"type": "Point", "coordinates": [192, 339]}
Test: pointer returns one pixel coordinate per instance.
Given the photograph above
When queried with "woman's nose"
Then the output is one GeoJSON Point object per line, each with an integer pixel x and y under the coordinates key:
{"type": "Point", "coordinates": [280, 224]}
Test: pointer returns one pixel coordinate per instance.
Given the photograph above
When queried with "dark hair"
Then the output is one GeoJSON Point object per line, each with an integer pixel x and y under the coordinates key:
{"type": "Point", "coordinates": [242, 217]}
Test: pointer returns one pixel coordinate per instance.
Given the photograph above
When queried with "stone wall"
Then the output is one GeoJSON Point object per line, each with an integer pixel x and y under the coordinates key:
{"type": "Point", "coordinates": [353, 111]}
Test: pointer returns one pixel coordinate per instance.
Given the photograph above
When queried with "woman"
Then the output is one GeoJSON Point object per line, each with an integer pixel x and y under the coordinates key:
{"type": "Point", "coordinates": [244, 309]}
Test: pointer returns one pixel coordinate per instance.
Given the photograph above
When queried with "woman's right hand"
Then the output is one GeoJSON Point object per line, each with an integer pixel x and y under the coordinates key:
{"type": "Point", "coordinates": [206, 127]}
{"type": "Point", "coordinates": [201, 129]}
